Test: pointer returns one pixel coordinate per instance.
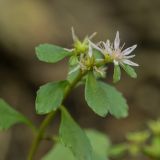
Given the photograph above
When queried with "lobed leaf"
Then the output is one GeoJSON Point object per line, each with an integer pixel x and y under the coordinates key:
{"type": "Point", "coordinates": [95, 96]}
{"type": "Point", "coordinates": [117, 103]}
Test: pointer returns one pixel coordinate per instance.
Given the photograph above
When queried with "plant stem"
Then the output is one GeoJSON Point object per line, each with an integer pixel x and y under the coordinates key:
{"type": "Point", "coordinates": [40, 135]}
{"type": "Point", "coordinates": [48, 119]}
{"type": "Point", "coordinates": [73, 84]}
{"type": "Point", "coordinates": [32, 126]}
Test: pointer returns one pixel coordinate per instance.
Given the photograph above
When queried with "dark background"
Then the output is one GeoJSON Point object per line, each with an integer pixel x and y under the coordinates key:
{"type": "Point", "coordinates": [25, 24]}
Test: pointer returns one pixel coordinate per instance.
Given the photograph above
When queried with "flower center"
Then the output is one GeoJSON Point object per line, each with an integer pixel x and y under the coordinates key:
{"type": "Point", "coordinates": [117, 55]}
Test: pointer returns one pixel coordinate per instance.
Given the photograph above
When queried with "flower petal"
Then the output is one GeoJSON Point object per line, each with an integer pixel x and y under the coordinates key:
{"type": "Point", "coordinates": [90, 51]}
{"type": "Point", "coordinates": [75, 38]}
{"type": "Point", "coordinates": [74, 69]}
{"type": "Point", "coordinates": [92, 35]}
{"type": "Point", "coordinates": [108, 47]}
{"type": "Point", "coordinates": [117, 41]}
{"type": "Point", "coordinates": [69, 50]}
{"type": "Point", "coordinates": [99, 60]}
{"type": "Point", "coordinates": [95, 46]}
{"type": "Point", "coordinates": [126, 61]}
{"type": "Point", "coordinates": [128, 57]}
{"type": "Point", "coordinates": [129, 50]}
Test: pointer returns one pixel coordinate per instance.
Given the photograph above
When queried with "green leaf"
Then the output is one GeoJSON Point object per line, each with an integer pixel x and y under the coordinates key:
{"type": "Point", "coordinates": [59, 152]}
{"type": "Point", "coordinates": [117, 73]}
{"type": "Point", "coordinates": [97, 54]}
{"type": "Point", "coordinates": [51, 53]}
{"type": "Point", "coordinates": [138, 137]}
{"type": "Point", "coordinates": [74, 137]}
{"type": "Point", "coordinates": [117, 151]}
{"type": "Point", "coordinates": [117, 103]}
{"type": "Point", "coordinates": [9, 116]}
{"type": "Point", "coordinates": [73, 60]}
{"type": "Point", "coordinates": [134, 149]}
{"type": "Point", "coordinates": [95, 96]}
{"type": "Point", "coordinates": [50, 96]}
{"type": "Point", "coordinates": [129, 70]}
{"type": "Point", "coordinates": [73, 75]}
{"type": "Point", "coordinates": [154, 126]}
{"type": "Point", "coordinates": [153, 150]}
{"type": "Point", "coordinates": [100, 144]}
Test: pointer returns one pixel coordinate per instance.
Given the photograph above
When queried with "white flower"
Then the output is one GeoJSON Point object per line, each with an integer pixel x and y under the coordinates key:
{"type": "Point", "coordinates": [115, 52]}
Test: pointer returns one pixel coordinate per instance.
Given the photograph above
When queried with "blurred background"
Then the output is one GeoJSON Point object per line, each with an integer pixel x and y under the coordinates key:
{"type": "Point", "coordinates": [25, 24]}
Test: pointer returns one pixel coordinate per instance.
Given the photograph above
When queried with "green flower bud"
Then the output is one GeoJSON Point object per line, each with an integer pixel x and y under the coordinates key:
{"type": "Point", "coordinates": [80, 47]}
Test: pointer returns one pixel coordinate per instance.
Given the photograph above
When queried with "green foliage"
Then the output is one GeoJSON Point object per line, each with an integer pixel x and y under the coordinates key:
{"type": "Point", "coordinates": [103, 98]}
{"type": "Point", "coordinates": [73, 60]}
{"type": "Point", "coordinates": [134, 149]}
{"type": "Point", "coordinates": [99, 141]}
{"type": "Point", "coordinates": [74, 137]}
{"type": "Point", "coordinates": [153, 150]}
{"type": "Point", "coordinates": [88, 63]}
{"type": "Point", "coordinates": [117, 73]}
{"type": "Point", "coordinates": [144, 143]}
{"type": "Point", "coordinates": [117, 103]}
{"type": "Point", "coordinates": [73, 75]}
{"type": "Point", "coordinates": [117, 151]}
{"type": "Point", "coordinates": [155, 126]}
{"type": "Point", "coordinates": [95, 96]}
{"type": "Point", "coordinates": [9, 116]}
{"type": "Point", "coordinates": [97, 54]}
{"type": "Point", "coordinates": [129, 70]}
{"type": "Point", "coordinates": [50, 96]}
{"type": "Point", "coordinates": [138, 137]}
{"type": "Point", "coordinates": [59, 152]}
{"type": "Point", "coordinates": [51, 53]}
{"type": "Point", "coordinates": [100, 144]}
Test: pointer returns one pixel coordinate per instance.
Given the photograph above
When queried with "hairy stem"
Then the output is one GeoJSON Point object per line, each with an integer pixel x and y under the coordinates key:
{"type": "Point", "coordinates": [48, 119]}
